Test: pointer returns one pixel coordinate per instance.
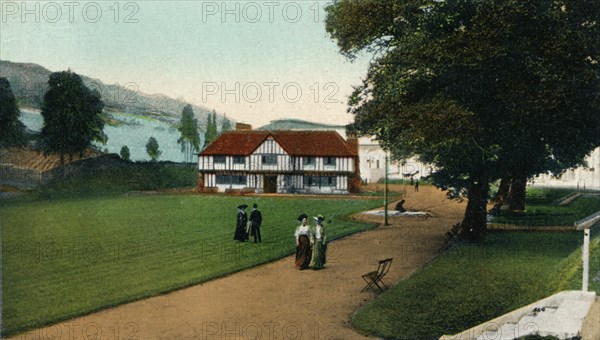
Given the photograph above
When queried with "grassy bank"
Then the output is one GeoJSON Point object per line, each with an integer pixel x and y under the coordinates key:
{"type": "Point", "coordinates": [129, 176]}
{"type": "Point", "coordinates": [473, 283]}
{"type": "Point", "coordinates": [70, 256]}
{"type": "Point", "coordinates": [542, 209]}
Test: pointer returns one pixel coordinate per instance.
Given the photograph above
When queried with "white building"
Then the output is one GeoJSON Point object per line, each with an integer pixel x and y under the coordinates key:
{"type": "Point", "coordinates": [582, 178]}
{"type": "Point", "coordinates": [372, 164]}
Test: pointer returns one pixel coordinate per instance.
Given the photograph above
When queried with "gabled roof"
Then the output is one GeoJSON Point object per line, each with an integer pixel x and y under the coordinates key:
{"type": "Point", "coordinates": [295, 143]}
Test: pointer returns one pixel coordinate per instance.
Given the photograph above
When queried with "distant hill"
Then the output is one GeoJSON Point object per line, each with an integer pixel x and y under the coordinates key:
{"type": "Point", "coordinates": [297, 124]}
{"type": "Point", "coordinates": [29, 82]}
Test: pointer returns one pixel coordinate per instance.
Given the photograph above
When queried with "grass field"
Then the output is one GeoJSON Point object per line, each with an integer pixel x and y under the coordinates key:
{"type": "Point", "coordinates": [71, 256]}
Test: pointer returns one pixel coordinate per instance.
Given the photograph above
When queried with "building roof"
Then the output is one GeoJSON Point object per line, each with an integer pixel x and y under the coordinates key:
{"type": "Point", "coordinates": [295, 143]}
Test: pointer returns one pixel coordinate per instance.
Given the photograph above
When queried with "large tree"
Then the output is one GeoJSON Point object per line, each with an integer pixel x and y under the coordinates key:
{"type": "Point", "coordinates": [152, 148]}
{"type": "Point", "coordinates": [226, 124]}
{"type": "Point", "coordinates": [72, 115]}
{"type": "Point", "coordinates": [11, 128]}
{"type": "Point", "coordinates": [481, 89]}
{"type": "Point", "coordinates": [211, 128]}
{"type": "Point", "coordinates": [190, 139]}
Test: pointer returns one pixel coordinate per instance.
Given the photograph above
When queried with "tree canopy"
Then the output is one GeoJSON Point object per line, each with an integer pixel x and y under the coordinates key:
{"type": "Point", "coordinates": [226, 125]}
{"type": "Point", "coordinates": [10, 126]}
{"type": "Point", "coordinates": [211, 129]}
{"type": "Point", "coordinates": [125, 154]}
{"type": "Point", "coordinates": [152, 148]}
{"type": "Point", "coordinates": [72, 115]}
{"type": "Point", "coordinates": [190, 139]}
{"type": "Point", "coordinates": [483, 90]}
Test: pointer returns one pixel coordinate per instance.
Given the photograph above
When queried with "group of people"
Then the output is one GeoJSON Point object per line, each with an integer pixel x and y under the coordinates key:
{"type": "Point", "coordinates": [311, 243]}
{"type": "Point", "coordinates": [246, 227]}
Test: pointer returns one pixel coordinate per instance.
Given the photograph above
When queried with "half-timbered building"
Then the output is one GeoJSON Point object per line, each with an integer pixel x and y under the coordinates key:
{"type": "Point", "coordinates": [279, 162]}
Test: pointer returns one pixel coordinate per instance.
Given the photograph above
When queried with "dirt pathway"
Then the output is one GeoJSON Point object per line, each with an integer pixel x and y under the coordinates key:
{"type": "Point", "coordinates": [275, 301]}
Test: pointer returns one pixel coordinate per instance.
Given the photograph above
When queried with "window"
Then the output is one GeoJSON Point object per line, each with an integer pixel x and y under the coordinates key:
{"type": "Point", "coordinates": [269, 159]}
{"type": "Point", "coordinates": [330, 161]}
{"type": "Point", "coordinates": [320, 181]}
{"type": "Point", "coordinates": [331, 181]}
{"type": "Point", "coordinates": [219, 159]}
{"type": "Point", "coordinates": [239, 160]}
{"type": "Point", "coordinates": [231, 179]}
{"type": "Point", "coordinates": [308, 161]}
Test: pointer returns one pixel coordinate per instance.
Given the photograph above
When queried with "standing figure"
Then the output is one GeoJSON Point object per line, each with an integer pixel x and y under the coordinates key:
{"type": "Point", "coordinates": [303, 243]}
{"type": "Point", "coordinates": [240, 229]}
{"type": "Point", "coordinates": [320, 244]}
{"type": "Point", "coordinates": [417, 186]}
{"type": "Point", "coordinates": [255, 223]}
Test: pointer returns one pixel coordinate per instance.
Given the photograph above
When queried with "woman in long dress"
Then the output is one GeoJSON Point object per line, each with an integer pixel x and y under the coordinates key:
{"type": "Point", "coordinates": [242, 220]}
{"type": "Point", "coordinates": [303, 243]}
{"type": "Point", "coordinates": [320, 244]}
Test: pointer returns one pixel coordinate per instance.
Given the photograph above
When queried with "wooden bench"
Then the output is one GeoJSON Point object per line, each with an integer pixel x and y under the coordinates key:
{"type": "Point", "coordinates": [374, 278]}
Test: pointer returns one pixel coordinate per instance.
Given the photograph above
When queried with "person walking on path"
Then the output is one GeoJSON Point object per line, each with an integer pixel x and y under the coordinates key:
{"type": "Point", "coordinates": [303, 243]}
{"type": "Point", "coordinates": [242, 220]}
{"type": "Point", "coordinates": [320, 244]}
{"type": "Point", "coordinates": [255, 223]}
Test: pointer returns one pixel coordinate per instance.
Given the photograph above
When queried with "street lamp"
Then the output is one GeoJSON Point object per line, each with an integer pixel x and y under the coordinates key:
{"type": "Point", "coordinates": [385, 193]}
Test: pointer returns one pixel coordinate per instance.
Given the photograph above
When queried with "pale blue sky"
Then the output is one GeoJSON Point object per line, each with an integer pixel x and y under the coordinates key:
{"type": "Point", "coordinates": [195, 50]}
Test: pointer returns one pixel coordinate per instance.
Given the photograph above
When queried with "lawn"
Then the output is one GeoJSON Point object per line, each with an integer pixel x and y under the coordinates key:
{"type": "Point", "coordinates": [542, 209]}
{"type": "Point", "coordinates": [71, 256]}
{"type": "Point", "coordinates": [473, 283]}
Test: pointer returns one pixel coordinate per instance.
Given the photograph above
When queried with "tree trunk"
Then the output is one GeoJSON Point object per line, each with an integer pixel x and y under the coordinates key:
{"type": "Point", "coordinates": [474, 224]}
{"type": "Point", "coordinates": [517, 193]}
{"type": "Point", "coordinates": [502, 194]}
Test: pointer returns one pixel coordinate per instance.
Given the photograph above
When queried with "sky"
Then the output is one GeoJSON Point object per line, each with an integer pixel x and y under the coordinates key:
{"type": "Point", "coordinates": [255, 61]}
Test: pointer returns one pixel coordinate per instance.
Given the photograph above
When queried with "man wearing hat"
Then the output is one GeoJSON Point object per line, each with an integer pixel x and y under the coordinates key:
{"type": "Point", "coordinates": [242, 219]}
{"type": "Point", "coordinates": [255, 223]}
{"type": "Point", "coordinates": [320, 244]}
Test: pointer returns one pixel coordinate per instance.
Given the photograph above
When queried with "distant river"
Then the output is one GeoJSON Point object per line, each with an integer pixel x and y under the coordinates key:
{"type": "Point", "coordinates": [132, 131]}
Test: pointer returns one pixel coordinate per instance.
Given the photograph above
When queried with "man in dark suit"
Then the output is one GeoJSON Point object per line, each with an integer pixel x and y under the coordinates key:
{"type": "Point", "coordinates": [255, 223]}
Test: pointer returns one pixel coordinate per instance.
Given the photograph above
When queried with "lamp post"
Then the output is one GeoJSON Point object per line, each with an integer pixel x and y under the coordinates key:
{"type": "Point", "coordinates": [385, 193]}
{"type": "Point", "coordinates": [585, 225]}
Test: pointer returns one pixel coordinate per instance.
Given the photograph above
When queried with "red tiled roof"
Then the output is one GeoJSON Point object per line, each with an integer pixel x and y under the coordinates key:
{"type": "Point", "coordinates": [295, 143]}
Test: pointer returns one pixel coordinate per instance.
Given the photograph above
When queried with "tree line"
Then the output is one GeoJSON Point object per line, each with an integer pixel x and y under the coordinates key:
{"type": "Point", "coordinates": [74, 119]}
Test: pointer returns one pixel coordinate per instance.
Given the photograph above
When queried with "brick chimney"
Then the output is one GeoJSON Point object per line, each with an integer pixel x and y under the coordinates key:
{"type": "Point", "coordinates": [242, 127]}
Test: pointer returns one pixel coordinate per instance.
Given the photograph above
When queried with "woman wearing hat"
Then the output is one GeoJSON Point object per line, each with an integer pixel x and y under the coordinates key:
{"type": "Point", "coordinates": [303, 243]}
{"type": "Point", "coordinates": [242, 220]}
{"type": "Point", "coordinates": [320, 244]}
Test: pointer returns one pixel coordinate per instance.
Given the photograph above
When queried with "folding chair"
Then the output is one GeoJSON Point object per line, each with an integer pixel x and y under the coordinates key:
{"type": "Point", "coordinates": [374, 278]}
